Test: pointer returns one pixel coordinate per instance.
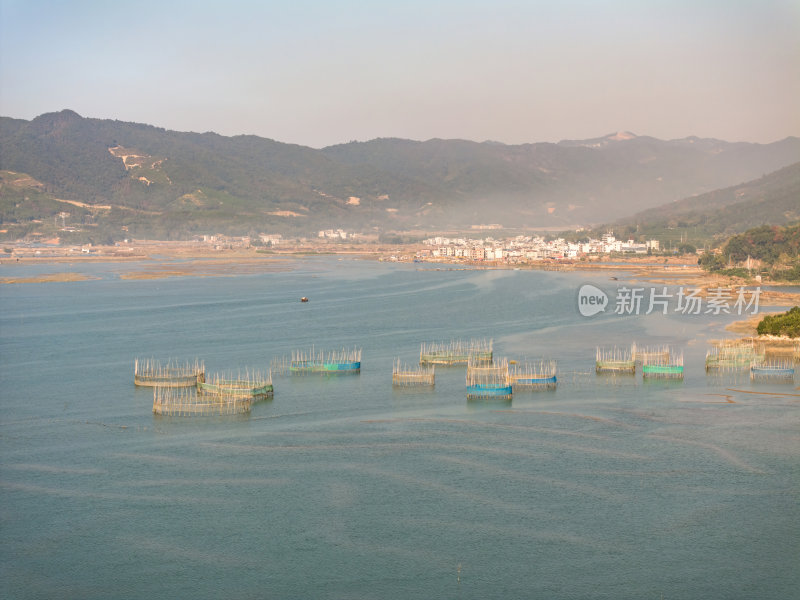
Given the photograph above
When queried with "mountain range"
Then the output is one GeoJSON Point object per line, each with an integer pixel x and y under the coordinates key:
{"type": "Point", "coordinates": [122, 179]}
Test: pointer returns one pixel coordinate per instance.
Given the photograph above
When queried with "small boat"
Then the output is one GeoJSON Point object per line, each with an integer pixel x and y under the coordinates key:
{"type": "Point", "coordinates": [303, 299]}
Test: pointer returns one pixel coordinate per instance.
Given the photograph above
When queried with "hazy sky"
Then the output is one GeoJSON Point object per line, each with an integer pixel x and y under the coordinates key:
{"type": "Point", "coordinates": [323, 72]}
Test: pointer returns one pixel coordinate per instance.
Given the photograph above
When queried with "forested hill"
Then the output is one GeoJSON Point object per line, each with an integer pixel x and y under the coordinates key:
{"type": "Point", "coordinates": [775, 249]}
{"type": "Point", "coordinates": [773, 199]}
{"type": "Point", "coordinates": [150, 182]}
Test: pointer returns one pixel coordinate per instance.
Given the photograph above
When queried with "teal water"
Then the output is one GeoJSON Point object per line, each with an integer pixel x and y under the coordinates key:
{"type": "Point", "coordinates": [340, 487]}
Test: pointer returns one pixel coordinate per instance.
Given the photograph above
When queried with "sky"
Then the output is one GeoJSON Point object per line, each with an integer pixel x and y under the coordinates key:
{"type": "Point", "coordinates": [318, 73]}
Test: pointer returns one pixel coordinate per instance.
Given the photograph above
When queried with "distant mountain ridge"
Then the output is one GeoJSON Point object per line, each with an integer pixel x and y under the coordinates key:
{"type": "Point", "coordinates": [171, 184]}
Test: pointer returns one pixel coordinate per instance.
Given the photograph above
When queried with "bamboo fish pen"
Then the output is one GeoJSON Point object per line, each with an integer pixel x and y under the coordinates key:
{"type": "Point", "coordinates": [250, 384]}
{"type": "Point", "coordinates": [663, 365]}
{"type": "Point", "coordinates": [488, 381]}
{"type": "Point", "coordinates": [455, 352]}
{"type": "Point", "coordinates": [536, 375]}
{"type": "Point", "coordinates": [731, 355]}
{"type": "Point", "coordinates": [404, 376]}
{"type": "Point", "coordinates": [650, 354]}
{"type": "Point", "coordinates": [615, 360]}
{"type": "Point", "coordinates": [776, 370]}
{"type": "Point", "coordinates": [186, 402]}
{"type": "Point", "coordinates": [338, 362]}
{"type": "Point", "coordinates": [150, 372]}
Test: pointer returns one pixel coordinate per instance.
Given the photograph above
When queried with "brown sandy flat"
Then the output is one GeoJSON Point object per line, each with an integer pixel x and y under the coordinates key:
{"type": "Point", "coordinates": [50, 277]}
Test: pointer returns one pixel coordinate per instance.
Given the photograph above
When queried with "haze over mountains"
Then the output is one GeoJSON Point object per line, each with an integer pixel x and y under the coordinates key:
{"type": "Point", "coordinates": [158, 183]}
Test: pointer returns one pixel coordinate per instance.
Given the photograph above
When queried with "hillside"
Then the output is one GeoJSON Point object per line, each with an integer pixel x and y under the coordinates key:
{"type": "Point", "coordinates": [113, 179]}
{"type": "Point", "coordinates": [772, 198]}
{"type": "Point", "coordinates": [771, 250]}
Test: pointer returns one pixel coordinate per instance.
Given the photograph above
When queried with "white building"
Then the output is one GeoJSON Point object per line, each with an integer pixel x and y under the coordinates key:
{"type": "Point", "coordinates": [273, 239]}
{"type": "Point", "coordinates": [608, 238]}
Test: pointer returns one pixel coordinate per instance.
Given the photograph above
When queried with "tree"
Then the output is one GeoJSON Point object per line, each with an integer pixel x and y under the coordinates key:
{"type": "Point", "coordinates": [712, 262]}
{"type": "Point", "coordinates": [787, 323]}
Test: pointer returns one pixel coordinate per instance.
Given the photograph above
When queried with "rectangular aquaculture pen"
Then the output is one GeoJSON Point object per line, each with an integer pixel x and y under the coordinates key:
{"type": "Point", "coordinates": [731, 355]}
{"type": "Point", "coordinates": [455, 352]}
{"type": "Point", "coordinates": [403, 376]}
{"type": "Point", "coordinates": [150, 372]}
{"type": "Point", "coordinates": [489, 380]}
{"type": "Point", "coordinates": [663, 365]}
{"type": "Point", "coordinates": [773, 370]}
{"type": "Point", "coordinates": [615, 360]}
{"type": "Point", "coordinates": [536, 375]}
{"type": "Point", "coordinates": [338, 362]}
{"type": "Point", "coordinates": [650, 354]}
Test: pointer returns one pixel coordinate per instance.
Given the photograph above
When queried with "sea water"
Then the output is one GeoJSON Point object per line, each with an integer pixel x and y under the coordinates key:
{"type": "Point", "coordinates": [343, 487]}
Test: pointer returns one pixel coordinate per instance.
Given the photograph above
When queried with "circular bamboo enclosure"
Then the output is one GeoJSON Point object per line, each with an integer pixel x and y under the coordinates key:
{"type": "Point", "coordinates": [186, 402]}
{"type": "Point", "coordinates": [150, 372]}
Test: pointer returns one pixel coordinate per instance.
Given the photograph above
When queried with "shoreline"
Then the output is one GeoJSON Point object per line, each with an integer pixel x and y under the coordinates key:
{"type": "Point", "coordinates": [182, 259]}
